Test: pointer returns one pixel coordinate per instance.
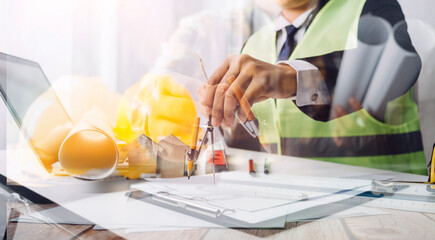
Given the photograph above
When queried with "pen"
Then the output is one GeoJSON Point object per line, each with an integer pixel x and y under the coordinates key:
{"type": "Point", "coordinates": [250, 124]}
{"type": "Point", "coordinates": [192, 153]}
{"type": "Point", "coordinates": [251, 167]}
{"type": "Point", "coordinates": [266, 166]}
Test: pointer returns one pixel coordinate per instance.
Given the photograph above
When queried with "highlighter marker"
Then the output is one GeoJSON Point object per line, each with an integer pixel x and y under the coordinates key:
{"type": "Point", "coordinates": [251, 167]}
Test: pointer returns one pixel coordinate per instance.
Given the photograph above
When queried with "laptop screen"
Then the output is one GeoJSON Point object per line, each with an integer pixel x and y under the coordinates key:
{"type": "Point", "coordinates": [21, 83]}
{"type": "Point", "coordinates": [34, 105]}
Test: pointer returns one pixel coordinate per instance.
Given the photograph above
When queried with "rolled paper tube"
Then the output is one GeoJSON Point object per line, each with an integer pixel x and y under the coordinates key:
{"type": "Point", "coordinates": [90, 151]}
{"type": "Point", "coordinates": [397, 71]}
{"type": "Point", "coordinates": [358, 65]}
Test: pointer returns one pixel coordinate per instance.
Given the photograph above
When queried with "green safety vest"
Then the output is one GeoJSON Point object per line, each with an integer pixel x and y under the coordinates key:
{"type": "Point", "coordinates": [394, 145]}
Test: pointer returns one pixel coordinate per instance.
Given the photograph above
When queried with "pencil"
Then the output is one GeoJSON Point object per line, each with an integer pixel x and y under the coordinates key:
{"type": "Point", "coordinates": [192, 156]}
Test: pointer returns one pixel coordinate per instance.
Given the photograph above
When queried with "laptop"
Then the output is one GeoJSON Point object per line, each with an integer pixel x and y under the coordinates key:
{"type": "Point", "coordinates": [21, 83]}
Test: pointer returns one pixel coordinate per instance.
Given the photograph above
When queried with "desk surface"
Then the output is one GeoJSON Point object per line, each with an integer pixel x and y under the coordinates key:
{"type": "Point", "coordinates": [396, 225]}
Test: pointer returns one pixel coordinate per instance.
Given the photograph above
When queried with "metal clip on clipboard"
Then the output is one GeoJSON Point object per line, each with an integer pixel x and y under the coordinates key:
{"type": "Point", "coordinates": [181, 203]}
{"type": "Point", "coordinates": [185, 204]}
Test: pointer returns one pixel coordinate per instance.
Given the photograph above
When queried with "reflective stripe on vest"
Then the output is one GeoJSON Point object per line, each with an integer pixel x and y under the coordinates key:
{"type": "Point", "coordinates": [357, 146]}
{"type": "Point", "coordinates": [284, 126]}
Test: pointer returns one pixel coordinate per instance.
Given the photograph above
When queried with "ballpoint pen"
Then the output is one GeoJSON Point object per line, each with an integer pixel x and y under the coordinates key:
{"type": "Point", "coordinates": [266, 166]}
{"type": "Point", "coordinates": [250, 124]}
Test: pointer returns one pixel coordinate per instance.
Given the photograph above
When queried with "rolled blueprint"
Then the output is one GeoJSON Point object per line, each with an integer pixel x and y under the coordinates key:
{"type": "Point", "coordinates": [90, 150]}
{"type": "Point", "coordinates": [396, 73]}
{"type": "Point", "coordinates": [358, 65]}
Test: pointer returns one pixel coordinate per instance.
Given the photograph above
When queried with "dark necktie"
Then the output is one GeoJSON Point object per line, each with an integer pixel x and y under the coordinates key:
{"type": "Point", "coordinates": [288, 45]}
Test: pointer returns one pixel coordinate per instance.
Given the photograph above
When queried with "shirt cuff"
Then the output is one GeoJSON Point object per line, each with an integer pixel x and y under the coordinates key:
{"type": "Point", "coordinates": [311, 89]}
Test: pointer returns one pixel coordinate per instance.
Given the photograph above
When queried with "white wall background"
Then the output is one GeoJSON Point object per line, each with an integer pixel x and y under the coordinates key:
{"type": "Point", "coordinates": [112, 39]}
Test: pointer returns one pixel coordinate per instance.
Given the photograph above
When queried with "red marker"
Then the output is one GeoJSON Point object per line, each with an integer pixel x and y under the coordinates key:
{"type": "Point", "coordinates": [251, 167]}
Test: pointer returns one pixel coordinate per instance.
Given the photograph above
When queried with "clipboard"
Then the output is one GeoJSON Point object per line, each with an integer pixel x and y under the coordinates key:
{"type": "Point", "coordinates": [387, 195]}
{"type": "Point", "coordinates": [213, 214]}
{"type": "Point", "coordinates": [253, 207]}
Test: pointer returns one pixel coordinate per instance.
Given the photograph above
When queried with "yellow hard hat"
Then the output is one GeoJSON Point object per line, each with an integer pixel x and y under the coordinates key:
{"type": "Point", "coordinates": [157, 106]}
{"type": "Point", "coordinates": [46, 124]}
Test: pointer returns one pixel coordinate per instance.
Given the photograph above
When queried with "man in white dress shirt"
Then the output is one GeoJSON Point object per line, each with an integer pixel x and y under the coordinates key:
{"type": "Point", "coordinates": [283, 79]}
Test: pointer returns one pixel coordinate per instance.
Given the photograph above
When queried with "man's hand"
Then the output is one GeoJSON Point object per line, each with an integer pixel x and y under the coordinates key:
{"type": "Point", "coordinates": [255, 79]}
{"type": "Point", "coordinates": [340, 111]}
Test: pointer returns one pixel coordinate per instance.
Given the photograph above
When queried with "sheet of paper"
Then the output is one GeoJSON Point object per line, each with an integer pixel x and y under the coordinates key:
{"type": "Point", "coordinates": [358, 211]}
{"type": "Point", "coordinates": [256, 199]}
{"type": "Point", "coordinates": [115, 210]}
{"type": "Point", "coordinates": [278, 181]}
{"type": "Point", "coordinates": [331, 206]}
{"type": "Point", "coordinates": [352, 212]}
{"type": "Point", "coordinates": [325, 197]}
{"type": "Point", "coordinates": [57, 215]}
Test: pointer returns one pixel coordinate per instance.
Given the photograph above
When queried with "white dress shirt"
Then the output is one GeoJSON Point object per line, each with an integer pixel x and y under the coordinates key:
{"type": "Point", "coordinates": [311, 88]}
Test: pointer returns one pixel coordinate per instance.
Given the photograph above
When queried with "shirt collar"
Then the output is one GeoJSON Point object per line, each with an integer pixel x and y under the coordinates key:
{"type": "Point", "coordinates": [281, 22]}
